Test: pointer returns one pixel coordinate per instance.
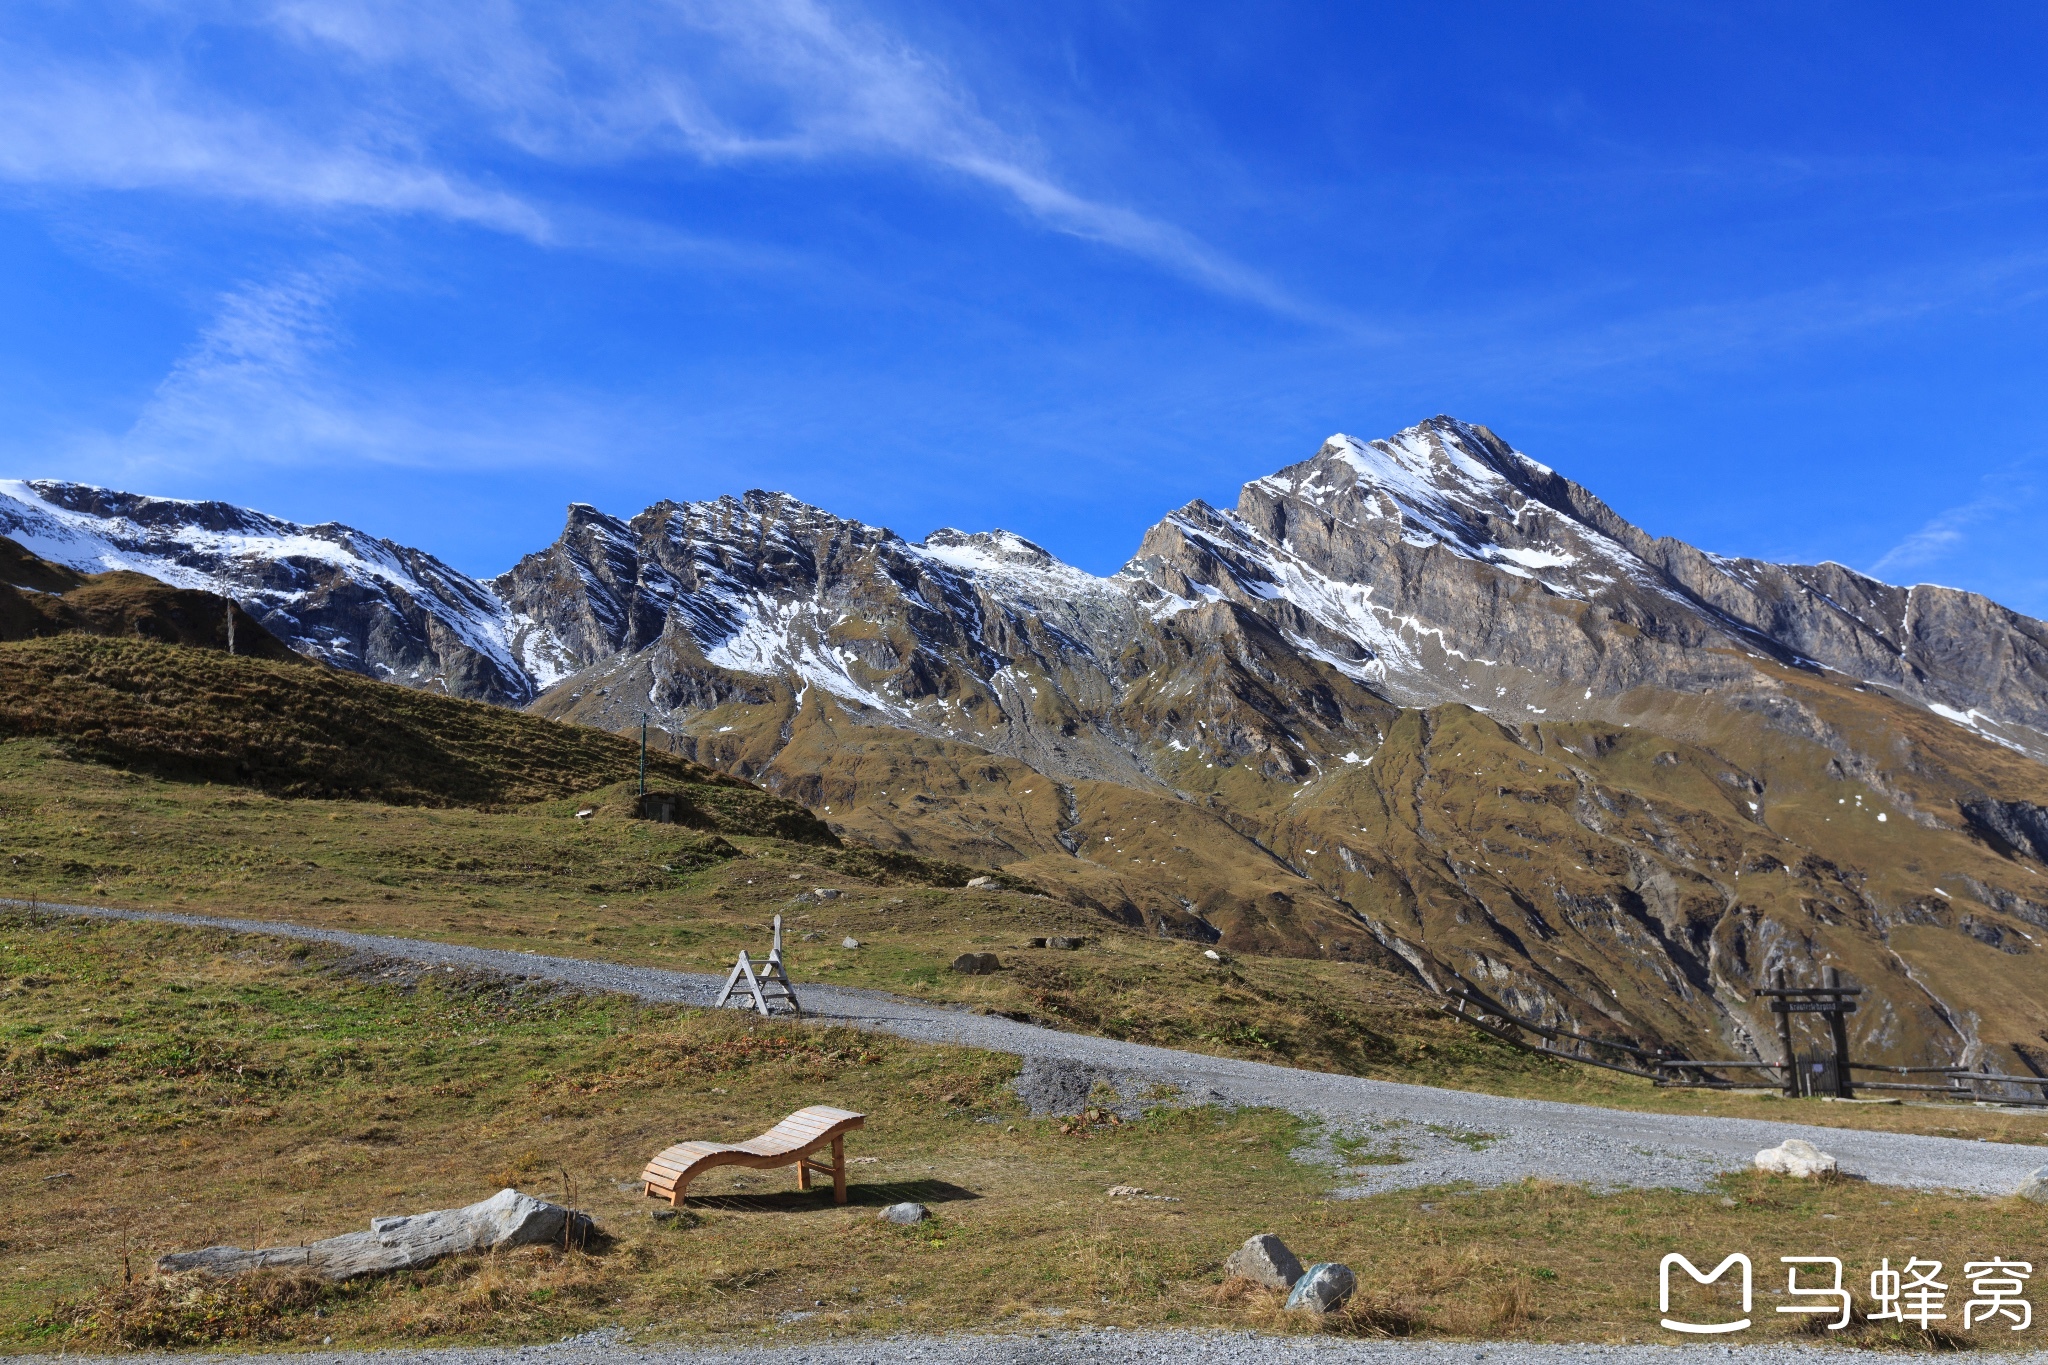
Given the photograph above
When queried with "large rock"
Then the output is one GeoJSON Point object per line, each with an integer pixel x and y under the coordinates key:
{"type": "Point", "coordinates": [507, 1219]}
{"type": "Point", "coordinates": [904, 1215]}
{"type": "Point", "coordinates": [1322, 1288]}
{"type": "Point", "coordinates": [977, 964]}
{"type": "Point", "coordinates": [2035, 1186]}
{"type": "Point", "coordinates": [1264, 1259]}
{"type": "Point", "coordinates": [1798, 1158]}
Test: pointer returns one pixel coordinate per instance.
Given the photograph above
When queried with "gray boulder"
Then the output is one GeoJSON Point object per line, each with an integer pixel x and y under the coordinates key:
{"type": "Point", "coordinates": [1264, 1259]}
{"type": "Point", "coordinates": [849, 942]}
{"type": "Point", "coordinates": [904, 1215]}
{"type": "Point", "coordinates": [2035, 1186]}
{"type": "Point", "coordinates": [507, 1219]}
{"type": "Point", "coordinates": [977, 964]}
{"type": "Point", "coordinates": [1322, 1288]}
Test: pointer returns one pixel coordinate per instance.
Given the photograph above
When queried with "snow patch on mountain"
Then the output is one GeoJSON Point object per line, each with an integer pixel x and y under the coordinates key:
{"type": "Point", "coordinates": [275, 569]}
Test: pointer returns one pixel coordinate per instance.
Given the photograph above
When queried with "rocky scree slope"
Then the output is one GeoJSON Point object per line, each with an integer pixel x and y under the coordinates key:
{"type": "Point", "coordinates": [1419, 700]}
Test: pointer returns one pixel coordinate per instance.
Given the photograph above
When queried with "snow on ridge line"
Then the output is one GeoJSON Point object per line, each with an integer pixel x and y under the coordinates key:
{"type": "Point", "coordinates": [92, 543]}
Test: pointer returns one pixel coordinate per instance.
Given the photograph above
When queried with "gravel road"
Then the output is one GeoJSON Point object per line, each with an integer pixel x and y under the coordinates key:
{"type": "Point", "coordinates": [1106, 1347]}
{"type": "Point", "coordinates": [1446, 1135]}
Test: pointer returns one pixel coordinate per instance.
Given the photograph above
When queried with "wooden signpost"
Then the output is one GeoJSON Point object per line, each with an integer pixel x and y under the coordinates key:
{"type": "Point", "coordinates": [1831, 999]}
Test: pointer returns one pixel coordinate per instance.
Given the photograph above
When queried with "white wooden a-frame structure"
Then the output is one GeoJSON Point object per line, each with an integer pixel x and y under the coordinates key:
{"type": "Point", "coordinates": [772, 984]}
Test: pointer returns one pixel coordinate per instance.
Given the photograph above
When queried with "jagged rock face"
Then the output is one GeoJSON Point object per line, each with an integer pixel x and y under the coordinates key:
{"type": "Point", "coordinates": [688, 606]}
{"type": "Point", "coordinates": [1441, 564]}
{"type": "Point", "coordinates": [328, 591]}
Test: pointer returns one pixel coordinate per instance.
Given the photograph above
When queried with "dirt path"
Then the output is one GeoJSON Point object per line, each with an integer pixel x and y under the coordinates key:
{"type": "Point", "coordinates": [1446, 1135]}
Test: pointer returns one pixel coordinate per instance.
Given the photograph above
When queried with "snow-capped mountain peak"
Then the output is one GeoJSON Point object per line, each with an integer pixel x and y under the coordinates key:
{"type": "Point", "coordinates": [1435, 564]}
{"type": "Point", "coordinates": [328, 591]}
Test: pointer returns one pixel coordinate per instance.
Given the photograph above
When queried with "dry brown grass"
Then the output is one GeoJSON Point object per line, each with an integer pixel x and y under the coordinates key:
{"type": "Point", "coordinates": [622, 889]}
{"type": "Point", "coordinates": [172, 1088]}
{"type": "Point", "coordinates": [289, 727]}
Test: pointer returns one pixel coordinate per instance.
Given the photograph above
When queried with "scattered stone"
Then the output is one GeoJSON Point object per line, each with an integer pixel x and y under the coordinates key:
{"type": "Point", "coordinates": [811, 937]}
{"type": "Point", "coordinates": [1797, 1158]}
{"type": "Point", "coordinates": [904, 1215]}
{"type": "Point", "coordinates": [1050, 1086]}
{"type": "Point", "coordinates": [2035, 1186]}
{"type": "Point", "coordinates": [507, 1219]}
{"type": "Point", "coordinates": [663, 1215]}
{"type": "Point", "coordinates": [849, 942]}
{"type": "Point", "coordinates": [585, 813]}
{"type": "Point", "coordinates": [981, 881]}
{"type": "Point", "coordinates": [1322, 1288]}
{"type": "Point", "coordinates": [1063, 942]}
{"type": "Point", "coordinates": [1124, 1191]}
{"type": "Point", "coordinates": [977, 964]}
{"type": "Point", "coordinates": [630, 1186]}
{"type": "Point", "coordinates": [825, 893]}
{"type": "Point", "coordinates": [1264, 1259]}
{"type": "Point", "coordinates": [1038, 942]}
{"type": "Point", "coordinates": [1212, 954]}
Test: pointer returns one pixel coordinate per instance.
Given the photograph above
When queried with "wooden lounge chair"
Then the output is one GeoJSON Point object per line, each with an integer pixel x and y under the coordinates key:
{"type": "Point", "coordinates": [788, 1143]}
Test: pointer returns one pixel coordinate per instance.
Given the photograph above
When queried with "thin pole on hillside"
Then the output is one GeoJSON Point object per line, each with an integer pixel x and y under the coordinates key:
{"type": "Point", "coordinates": [643, 753]}
{"type": "Point", "coordinates": [230, 602]}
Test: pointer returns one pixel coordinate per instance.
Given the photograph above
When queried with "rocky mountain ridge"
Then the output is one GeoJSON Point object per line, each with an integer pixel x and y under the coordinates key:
{"type": "Point", "coordinates": [1437, 565]}
{"type": "Point", "coordinates": [1419, 700]}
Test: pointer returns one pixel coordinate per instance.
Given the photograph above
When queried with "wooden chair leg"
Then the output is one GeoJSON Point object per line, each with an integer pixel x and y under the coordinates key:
{"type": "Point", "coordinates": [839, 1170]}
{"type": "Point", "coordinates": [803, 1174]}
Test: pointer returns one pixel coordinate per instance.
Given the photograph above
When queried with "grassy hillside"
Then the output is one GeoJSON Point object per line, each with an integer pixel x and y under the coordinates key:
{"type": "Point", "coordinates": [477, 837]}
{"type": "Point", "coordinates": [40, 599]}
{"type": "Point", "coordinates": [1639, 877]}
{"type": "Point", "coordinates": [298, 730]}
{"type": "Point", "coordinates": [626, 889]}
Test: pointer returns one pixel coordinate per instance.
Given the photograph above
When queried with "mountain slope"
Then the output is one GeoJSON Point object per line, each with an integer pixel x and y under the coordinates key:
{"type": "Point", "coordinates": [1419, 701]}
{"type": "Point", "coordinates": [39, 599]}
{"type": "Point", "coordinates": [292, 730]}
{"type": "Point", "coordinates": [330, 592]}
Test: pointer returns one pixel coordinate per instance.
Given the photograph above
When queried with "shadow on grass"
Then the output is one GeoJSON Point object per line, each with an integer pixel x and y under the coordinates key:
{"type": "Point", "coordinates": [861, 1195]}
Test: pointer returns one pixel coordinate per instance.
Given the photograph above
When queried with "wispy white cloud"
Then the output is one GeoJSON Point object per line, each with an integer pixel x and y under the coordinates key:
{"type": "Point", "coordinates": [403, 95]}
{"type": "Point", "coordinates": [1950, 531]}
{"type": "Point", "coordinates": [259, 385]}
{"type": "Point", "coordinates": [133, 127]}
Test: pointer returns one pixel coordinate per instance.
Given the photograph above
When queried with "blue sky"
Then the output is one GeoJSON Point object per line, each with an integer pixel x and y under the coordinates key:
{"type": "Point", "coordinates": [1772, 279]}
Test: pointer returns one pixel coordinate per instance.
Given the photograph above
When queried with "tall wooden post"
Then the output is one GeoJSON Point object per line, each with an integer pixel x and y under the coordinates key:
{"type": "Point", "coordinates": [1838, 1025]}
{"type": "Point", "coordinates": [1785, 1037]}
{"type": "Point", "coordinates": [643, 753]}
